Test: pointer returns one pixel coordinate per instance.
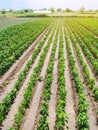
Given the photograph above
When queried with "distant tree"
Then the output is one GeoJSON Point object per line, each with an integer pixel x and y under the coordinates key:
{"type": "Point", "coordinates": [21, 11]}
{"type": "Point", "coordinates": [26, 10]}
{"type": "Point", "coordinates": [52, 9]}
{"type": "Point", "coordinates": [3, 11]}
{"type": "Point", "coordinates": [10, 10]}
{"type": "Point", "coordinates": [82, 9]}
{"type": "Point", "coordinates": [68, 10]}
{"type": "Point", "coordinates": [59, 9]}
{"type": "Point", "coordinates": [44, 9]}
{"type": "Point", "coordinates": [30, 10]}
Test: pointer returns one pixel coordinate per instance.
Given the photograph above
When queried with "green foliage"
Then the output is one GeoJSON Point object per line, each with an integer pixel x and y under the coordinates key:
{"type": "Point", "coordinates": [61, 117]}
{"type": "Point", "coordinates": [82, 118]}
{"type": "Point", "coordinates": [42, 123]}
{"type": "Point", "coordinates": [14, 41]}
{"type": "Point", "coordinates": [29, 90]}
{"type": "Point", "coordinates": [8, 100]}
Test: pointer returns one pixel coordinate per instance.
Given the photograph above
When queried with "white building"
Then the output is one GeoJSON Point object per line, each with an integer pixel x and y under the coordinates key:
{"type": "Point", "coordinates": [43, 12]}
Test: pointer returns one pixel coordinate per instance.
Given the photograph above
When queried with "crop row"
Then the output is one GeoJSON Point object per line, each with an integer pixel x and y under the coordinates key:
{"type": "Point", "coordinates": [82, 117]}
{"type": "Point", "coordinates": [29, 90]}
{"type": "Point", "coordinates": [8, 100]}
{"type": "Point", "coordinates": [93, 61]}
{"type": "Point", "coordinates": [42, 123]}
{"type": "Point", "coordinates": [88, 39]}
{"type": "Point", "coordinates": [90, 23]}
{"type": "Point", "coordinates": [91, 36]}
{"type": "Point", "coordinates": [61, 116]}
{"type": "Point", "coordinates": [14, 40]}
{"type": "Point", "coordinates": [90, 81]}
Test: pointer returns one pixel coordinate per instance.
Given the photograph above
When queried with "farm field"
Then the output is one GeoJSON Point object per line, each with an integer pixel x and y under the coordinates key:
{"type": "Point", "coordinates": [49, 75]}
{"type": "Point", "coordinates": [8, 22]}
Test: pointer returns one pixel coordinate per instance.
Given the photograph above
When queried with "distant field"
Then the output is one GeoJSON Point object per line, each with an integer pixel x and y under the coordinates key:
{"type": "Point", "coordinates": [74, 14]}
{"type": "Point", "coordinates": [7, 22]}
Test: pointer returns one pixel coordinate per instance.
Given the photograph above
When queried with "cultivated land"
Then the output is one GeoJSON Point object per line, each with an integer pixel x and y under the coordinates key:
{"type": "Point", "coordinates": [49, 75]}
{"type": "Point", "coordinates": [8, 22]}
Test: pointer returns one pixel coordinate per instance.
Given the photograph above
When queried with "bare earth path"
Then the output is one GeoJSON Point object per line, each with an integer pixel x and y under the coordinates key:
{"type": "Point", "coordinates": [87, 29]}
{"type": "Point", "coordinates": [70, 101]}
{"type": "Point", "coordinates": [12, 81]}
{"type": "Point", "coordinates": [88, 66]}
{"type": "Point", "coordinates": [53, 99]}
{"type": "Point", "coordinates": [91, 113]}
{"type": "Point", "coordinates": [16, 67]}
{"type": "Point", "coordinates": [30, 121]}
{"type": "Point", "coordinates": [14, 108]}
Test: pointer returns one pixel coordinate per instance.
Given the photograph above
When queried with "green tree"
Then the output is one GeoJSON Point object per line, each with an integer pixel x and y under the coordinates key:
{"type": "Point", "coordinates": [82, 9]}
{"type": "Point", "coordinates": [68, 10]}
{"type": "Point", "coordinates": [10, 10]}
{"type": "Point", "coordinates": [52, 9]}
{"type": "Point", "coordinates": [59, 9]}
{"type": "Point", "coordinates": [3, 11]}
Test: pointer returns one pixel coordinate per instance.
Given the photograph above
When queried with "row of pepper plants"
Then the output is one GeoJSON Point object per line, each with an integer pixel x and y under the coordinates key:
{"type": "Point", "coordinates": [93, 61]}
{"type": "Point", "coordinates": [61, 116]}
{"type": "Point", "coordinates": [42, 123]}
{"type": "Point", "coordinates": [82, 117]}
{"type": "Point", "coordinates": [86, 36]}
{"type": "Point", "coordinates": [90, 23]}
{"type": "Point", "coordinates": [9, 99]}
{"type": "Point", "coordinates": [90, 81]}
{"type": "Point", "coordinates": [14, 40]}
{"type": "Point", "coordinates": [29, 90]}
{"type": "Point", "coordinates": [92, 37]}
{"type": "Point", "coordinates": [88, 40]}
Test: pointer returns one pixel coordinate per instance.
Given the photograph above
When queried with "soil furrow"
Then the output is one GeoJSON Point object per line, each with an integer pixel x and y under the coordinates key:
{"type": "Point", "coordinates": [95, 104]}
{"type": "Point", "coordinates": [10, 117]}
{"type": "Point", "coordinates": [86, 28]}
{"type": "Point", "coordinates": [10, 86]}
{"type": "Point", "coordinates": [30, 120]}
{"type": "Point", "coordinates": [16, 67]}
{"type": "Point", "coordinates": [54, 87]}
{"type": "Point", "coordinates": [88, 66]}
{"type": "Point", "coordinates": [70, 99]}
{"type": "Point", "coordinates": [91, 113]}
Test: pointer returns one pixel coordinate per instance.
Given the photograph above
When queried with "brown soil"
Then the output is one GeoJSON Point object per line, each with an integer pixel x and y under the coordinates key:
{"type": "Point", "coordinates": [8, 87]}
{"type": "Point", "coordinates": [70, 99]}
{"type": "Point", "coordinates": [89, 67]}
{"type": "Point", "coordinates": [27, 111]}
{"type": "Point", "coordinates": [53, 99]}
{"type": "Point", "coordinates": [16, 67]}
{"type": "Point", "coordinates": [9, 84]}
{"type": "Point", "coordinates": [91, 113]}
{"type": "Point", "coordinates": [86, 28]}
{"type": "Point", "coordinates": [32, 114]}
{"type": "Point", "coordinates": [14, 108]}
{"type": "Point", "coordinates": [30, 121]}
